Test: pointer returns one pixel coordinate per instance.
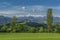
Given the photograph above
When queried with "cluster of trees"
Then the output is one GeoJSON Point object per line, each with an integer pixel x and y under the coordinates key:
{"type": "Point", "coordinates": [15, 26]}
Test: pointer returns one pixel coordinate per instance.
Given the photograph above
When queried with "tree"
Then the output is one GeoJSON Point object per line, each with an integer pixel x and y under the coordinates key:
{"type": "Point", "coordinates": [57, 29]}
{"type": "Point", "coordinates": [31, 30]}
{"type": "Point", "coordinates": [41, 29]}
{"type": "Point", "coordinates": [3, 29]}
{"type": "Point", "coordinates": [13, 24]}
{"type": "Point", "coordinates": [49, 19]}
{"type": "Point", "coordinates": [19, 28]}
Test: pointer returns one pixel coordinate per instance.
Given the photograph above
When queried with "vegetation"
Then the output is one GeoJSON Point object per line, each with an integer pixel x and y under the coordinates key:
{"type": "Point", "coordinates": [49, 19]}
{"type": "Point", "coordinates": [31, 27]}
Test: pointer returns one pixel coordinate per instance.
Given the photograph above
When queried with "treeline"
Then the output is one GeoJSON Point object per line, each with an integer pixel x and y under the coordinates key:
{"type": "Point", "coordinates": [23, 27]}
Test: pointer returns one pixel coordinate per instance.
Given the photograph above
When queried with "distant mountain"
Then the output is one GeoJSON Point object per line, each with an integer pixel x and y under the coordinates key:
{"type": "Point", "coordinates": [32, 19]}
{"type": "Point", "coordinates": [2, 19]}
{"type": "Point", "coordinates": [37, 19]}
{"type": "Point", "coordinates": [28, 19]}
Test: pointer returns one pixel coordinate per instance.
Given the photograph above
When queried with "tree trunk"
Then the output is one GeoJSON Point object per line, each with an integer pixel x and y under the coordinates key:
{"type": "Point", "coordinates": [48, 29]}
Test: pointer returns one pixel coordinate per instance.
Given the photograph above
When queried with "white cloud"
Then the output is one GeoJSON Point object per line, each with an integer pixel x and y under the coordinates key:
{"type": "Point", "coordinates": [30, 15]}
{"type": "Point", "coordinates": [7, 12]}
{"type": "Point", "coordinates": [23, 7]}
{"type": "Point", "coordinates": [27, 10]}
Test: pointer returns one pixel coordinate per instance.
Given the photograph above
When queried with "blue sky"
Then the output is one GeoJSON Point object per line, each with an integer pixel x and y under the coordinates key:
{"type": "Point", "coordinates": [29, 7]}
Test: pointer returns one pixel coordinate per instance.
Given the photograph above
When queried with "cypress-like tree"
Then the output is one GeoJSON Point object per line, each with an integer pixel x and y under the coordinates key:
{"type": "Point", "coordinates": [49, 19]}
{"type": "Point", "coordinates": [13, 24]}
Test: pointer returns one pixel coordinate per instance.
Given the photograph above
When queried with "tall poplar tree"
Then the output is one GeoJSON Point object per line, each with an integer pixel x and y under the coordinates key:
{"type": "Point", "coordinates": [49, 19]}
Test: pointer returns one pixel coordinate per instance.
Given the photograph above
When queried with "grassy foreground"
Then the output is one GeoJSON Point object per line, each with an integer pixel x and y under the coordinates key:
{"type": "Point", "coordinates": [29, 36]}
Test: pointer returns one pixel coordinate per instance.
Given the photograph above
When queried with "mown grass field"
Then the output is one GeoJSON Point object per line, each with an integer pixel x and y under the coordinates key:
{"type": "Point", "coordinates": [29, 36]}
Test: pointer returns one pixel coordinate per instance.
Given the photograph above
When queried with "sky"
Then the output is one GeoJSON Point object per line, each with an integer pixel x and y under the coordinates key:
{"type": "Point", "coordinates": [29, 7]}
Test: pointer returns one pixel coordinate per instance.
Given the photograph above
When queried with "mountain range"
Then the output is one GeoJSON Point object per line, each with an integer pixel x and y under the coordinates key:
{"type": "Point", "coordinates": [28, 19]}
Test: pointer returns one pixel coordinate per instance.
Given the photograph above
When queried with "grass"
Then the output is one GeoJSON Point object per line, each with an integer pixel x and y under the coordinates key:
{"type": "Point", "coordinates": [29, 36]}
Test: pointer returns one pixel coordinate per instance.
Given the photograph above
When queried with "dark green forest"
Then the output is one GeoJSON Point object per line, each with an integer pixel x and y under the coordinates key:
{"type": "Point", "coordinates": [31, 27]}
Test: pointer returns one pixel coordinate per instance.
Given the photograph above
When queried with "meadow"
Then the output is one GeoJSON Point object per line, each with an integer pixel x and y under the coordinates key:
{"type": "Point", "coordinates": [29, 36]}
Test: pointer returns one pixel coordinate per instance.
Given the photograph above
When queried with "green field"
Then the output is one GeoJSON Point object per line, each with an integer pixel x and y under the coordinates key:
{"type": "Point", "coordinates": [29, 36]}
